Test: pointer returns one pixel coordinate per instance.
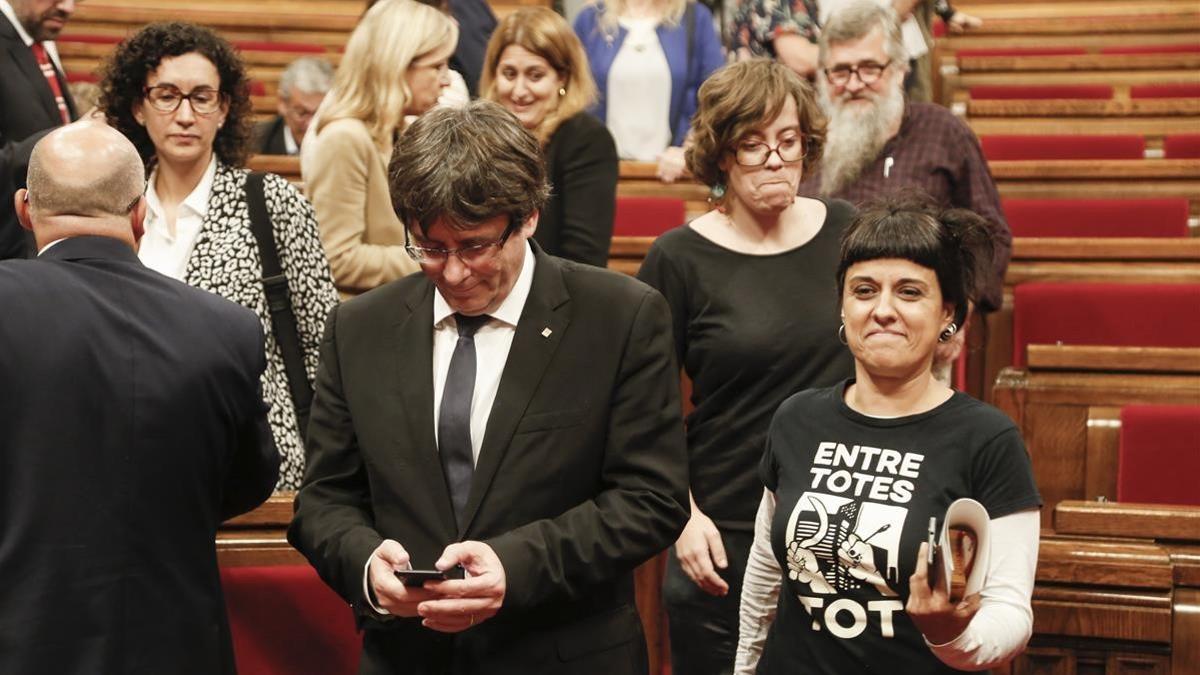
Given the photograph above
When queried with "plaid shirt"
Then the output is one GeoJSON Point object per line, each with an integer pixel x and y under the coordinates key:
{"type": "Point", "coordinates": [938, 153]}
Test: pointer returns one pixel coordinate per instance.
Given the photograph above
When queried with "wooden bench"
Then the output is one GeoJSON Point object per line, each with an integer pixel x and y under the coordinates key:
{"type": "Point", "coordinates": [1052, 400]}
{"type": "Point", "coordinates": [1099, 179]}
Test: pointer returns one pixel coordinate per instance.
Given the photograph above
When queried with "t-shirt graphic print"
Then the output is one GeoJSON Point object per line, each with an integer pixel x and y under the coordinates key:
{"type": "Point", "coordinates": [854, 496]}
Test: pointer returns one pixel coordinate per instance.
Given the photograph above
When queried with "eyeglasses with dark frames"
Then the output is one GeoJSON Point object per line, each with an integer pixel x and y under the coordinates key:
{"type": "Point", "coordinates": [473, 255]}
{"type": "Point", "coordinates": [167, 98]}
{"type": "Point", "coordinates": [756, 153]}
{"type": "Point", "coordinates": [868, 72]}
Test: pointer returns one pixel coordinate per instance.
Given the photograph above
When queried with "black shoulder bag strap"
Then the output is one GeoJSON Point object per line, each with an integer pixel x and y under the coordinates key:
{"type": "Point", "coordinates": [279, 301]}
{"type": "Point", "coordinates": [689, 21]}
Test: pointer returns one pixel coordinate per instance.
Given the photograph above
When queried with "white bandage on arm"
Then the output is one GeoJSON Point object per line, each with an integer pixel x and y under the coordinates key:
{"type": "Point", "coordinates": [1004, 623]}
{"type": "Point", "coordinates": [760, 591]}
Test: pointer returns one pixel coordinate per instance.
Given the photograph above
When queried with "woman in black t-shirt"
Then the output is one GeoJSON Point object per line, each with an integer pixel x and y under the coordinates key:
{"type": "Point", "coordinates": [753, 303]}
{"type": "Point", "coordinates": [854, 472]}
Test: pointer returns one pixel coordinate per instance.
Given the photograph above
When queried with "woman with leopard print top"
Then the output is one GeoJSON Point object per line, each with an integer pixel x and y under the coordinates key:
{"type": "Point", "coordinates": [180, 93]}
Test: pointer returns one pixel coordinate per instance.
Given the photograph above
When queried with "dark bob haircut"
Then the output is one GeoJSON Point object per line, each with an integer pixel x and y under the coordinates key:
{"type": "Point", "coordinates": [955, 243]}
{"type": "Point", "coordinates": [467, 165]}
{"type": "Point", "coordinates": [124, 80]}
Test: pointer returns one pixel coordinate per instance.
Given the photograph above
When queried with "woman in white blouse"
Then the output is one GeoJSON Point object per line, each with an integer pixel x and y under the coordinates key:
{"type": "Point", "coordinates": [649, 58]}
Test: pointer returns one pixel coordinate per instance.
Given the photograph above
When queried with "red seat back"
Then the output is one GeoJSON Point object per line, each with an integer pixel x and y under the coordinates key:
{"type": "Point", "coordinates": [1123, 315]}
{"type": "Point", "coordinates": [285, 620]}
{"type": "Point", "coordinates": [1176, 90]}
{"type": "Point", "coordinates": [1022, 51]}
{"type": "Point", "coordinates": [1182, 146]}
{"type": "Point", "coordinates": [1159, 460]}
{"type": "Point", "coordinates": [1031, 91]}
{"type": "Point", "coordinates": [74, 76]}
{"type": "Point", "coordinates": [647, 216]}
{"type": "Point", "coordinates": [1097, 217]}
{"type": "Point", "coordinates": [1152, 49]}
{"type": "Point", "coordinates": [1063, 147]}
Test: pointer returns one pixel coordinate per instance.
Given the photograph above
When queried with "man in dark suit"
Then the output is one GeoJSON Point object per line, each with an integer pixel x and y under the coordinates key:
{"type": "Point", "coordinates": [507, 411]}
{"type": "Point", "coordinates": [131, 425]}
{"type": "Point", "coordinates": [33, 98]}
{"type": "Point", "coordinates": [302, 87]}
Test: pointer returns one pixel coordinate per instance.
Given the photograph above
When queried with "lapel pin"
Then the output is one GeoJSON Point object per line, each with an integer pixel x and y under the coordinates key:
{"type": "Point", "coordinates": [546, 332]}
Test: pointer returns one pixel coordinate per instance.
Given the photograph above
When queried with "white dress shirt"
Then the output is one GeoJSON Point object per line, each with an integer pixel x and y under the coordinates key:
{"type": "Point", "coordinates": [640, 117]}
{"type": "Point", "coordinates": [492, 343]}
{"type": "Point", "coordinates": [166, 249]}
{"type": "Point", "coordinates": [289, 141]}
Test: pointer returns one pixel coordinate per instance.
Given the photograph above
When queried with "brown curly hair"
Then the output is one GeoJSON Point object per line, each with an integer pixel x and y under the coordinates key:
{"type": "Point", "coordinates": [124, 76]}
{"type": "Point", "coordinates": [741, 97]}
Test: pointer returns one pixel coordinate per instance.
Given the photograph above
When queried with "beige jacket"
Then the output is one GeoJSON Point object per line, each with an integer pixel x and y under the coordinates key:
{"type": "Point", "coordinates": [345, 177]}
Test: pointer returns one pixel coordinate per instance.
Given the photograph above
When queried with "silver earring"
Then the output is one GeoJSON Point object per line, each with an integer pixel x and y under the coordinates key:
{"type": "Point", "coordinates": [948, 333]}
{"type": "Point", "coordinates": [842, 334]}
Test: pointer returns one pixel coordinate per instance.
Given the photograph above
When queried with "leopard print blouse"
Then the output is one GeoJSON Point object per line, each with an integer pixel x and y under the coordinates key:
{"type": "Point", "coordinates": [226, 262]}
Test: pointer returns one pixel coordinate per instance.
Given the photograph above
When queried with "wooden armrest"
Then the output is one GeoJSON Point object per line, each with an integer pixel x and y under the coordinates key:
{"type": "Point", "coordinates": [1115, 519]}
{"type": "Point", "coordinates": [1127, 359]}
{"type": "Point", "coordinates": [275, 512]}
{"type": "Point", "coordinates": [1116, 249]}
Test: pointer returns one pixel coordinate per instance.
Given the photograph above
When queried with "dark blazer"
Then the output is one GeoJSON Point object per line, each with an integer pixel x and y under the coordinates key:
{"type": "Point", "coordinates": [268, 137]}
{"type": "Point", "coordinates": [581, 161]}
{"type": "Point", "coordinates": [582, 473]}
{"type": "Point", "coordinates": [475, 25]}
{"type": "Point", "coordinates": [131, 425]}
{"type": "Point", "coordinates": [26, 107]}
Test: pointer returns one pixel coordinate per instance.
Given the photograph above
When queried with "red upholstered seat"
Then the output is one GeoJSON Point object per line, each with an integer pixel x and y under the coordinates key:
{"type": "Point", "coordinates": [262, 46]}
{"type": "Point", "coordinates": [1176, 90]}
{"type": "Point", "coordinates": [1022, 51]}
{"type": "Point", "coordinates": [286, 621]}
{"type": "Point", "coordinates": [76, 76]}
{"type": "Point", "coordinates": [1122, 315]}
{"type": "Point", "coordinates": [1097, 217]}
{"type": "Point", "coordinates": [1182, 146]}
{"type": "Point", "coordinates": [1159, 460]}
{"type": "Point", "coordinates": [647, 216]}
{"type": "Point", "coordinates": [1029, 91]}
{"type": "Point", "coordinates": [1153, 49]}
{"type": "Point", "coordinates": [89, 39]}
{"type": "Point", "coordinates": [257, 88]}
{"type": "Point", "coordinates": [1063, 147]}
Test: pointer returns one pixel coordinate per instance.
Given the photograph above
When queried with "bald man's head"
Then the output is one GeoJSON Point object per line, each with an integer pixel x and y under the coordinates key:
{"type": "Point", "coordinates": [86, 169]}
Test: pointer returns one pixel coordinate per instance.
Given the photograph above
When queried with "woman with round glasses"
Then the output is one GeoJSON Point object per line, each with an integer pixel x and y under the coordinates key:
{"type": "Point", "coordinates": [179, 93]}
{"type": "Point", "coordinates": [752, 296]}
{"type": "Point", "coordinates": [396, 64]}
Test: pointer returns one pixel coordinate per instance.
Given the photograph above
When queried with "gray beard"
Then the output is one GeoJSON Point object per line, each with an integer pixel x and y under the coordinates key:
{"type": "Point", "coordinates": [855, 137]}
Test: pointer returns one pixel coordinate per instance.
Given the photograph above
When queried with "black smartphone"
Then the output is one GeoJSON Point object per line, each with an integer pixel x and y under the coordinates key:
{"type": "Point", "coordinates": [931, 550]}
{"type": "Point", "coordinates": [419, 577]}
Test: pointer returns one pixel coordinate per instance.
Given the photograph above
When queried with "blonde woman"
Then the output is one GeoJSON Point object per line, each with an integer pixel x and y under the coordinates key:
{"type": "Point", "coordinates": [649, 58]}
{"type": "Point", "coordinates": [395, 64]}
{"type": "Point", "coordinates": [536, 68]}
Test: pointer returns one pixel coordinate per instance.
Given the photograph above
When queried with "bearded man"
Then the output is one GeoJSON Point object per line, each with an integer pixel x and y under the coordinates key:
{"type": "Point", "coordinates": [878, 143]}
{"type": "Point", "coordinates": [33, 100]}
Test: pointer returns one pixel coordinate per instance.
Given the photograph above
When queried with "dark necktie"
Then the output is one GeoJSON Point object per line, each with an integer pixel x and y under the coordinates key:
{"type": "Point", "coordinates": [454, 418]}
{"type": "Point", "coordinates": [51, 75]}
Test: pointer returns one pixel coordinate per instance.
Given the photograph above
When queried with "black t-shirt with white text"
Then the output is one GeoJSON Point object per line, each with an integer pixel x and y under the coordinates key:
{"type": "Point", "coordinates": [854, 495]}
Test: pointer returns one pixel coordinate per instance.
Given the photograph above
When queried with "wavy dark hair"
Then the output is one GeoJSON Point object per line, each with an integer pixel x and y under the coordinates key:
{"type": "Point", "coordinates": [955, 243]}
{"type": "Point", "coordinates": [124, 77]}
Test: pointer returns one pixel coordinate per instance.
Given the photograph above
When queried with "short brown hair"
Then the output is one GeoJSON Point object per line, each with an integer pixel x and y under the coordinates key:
{"type": "Point", "coordinates": [740, 97]}
{"type": "Point", "coordinates": [467, 165]}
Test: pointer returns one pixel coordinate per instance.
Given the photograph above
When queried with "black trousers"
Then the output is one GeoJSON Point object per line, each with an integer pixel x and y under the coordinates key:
{"type": "Point", "coordinates": [703, 627]}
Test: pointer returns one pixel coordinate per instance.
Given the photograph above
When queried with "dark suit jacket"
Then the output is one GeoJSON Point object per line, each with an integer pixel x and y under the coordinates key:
{"type": "Point", "coordinates": [582, 473]}
{"type": "Point", "coordinates": [27, 107]}
{"type": "Point", "coordinates": [581, 162]}
{"type": "Point", "coordinates": [268, 137]}
{"type": "Point", "coordinates": [131, 425]}
{"type": "Point", "coordinates": [475, 25]}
